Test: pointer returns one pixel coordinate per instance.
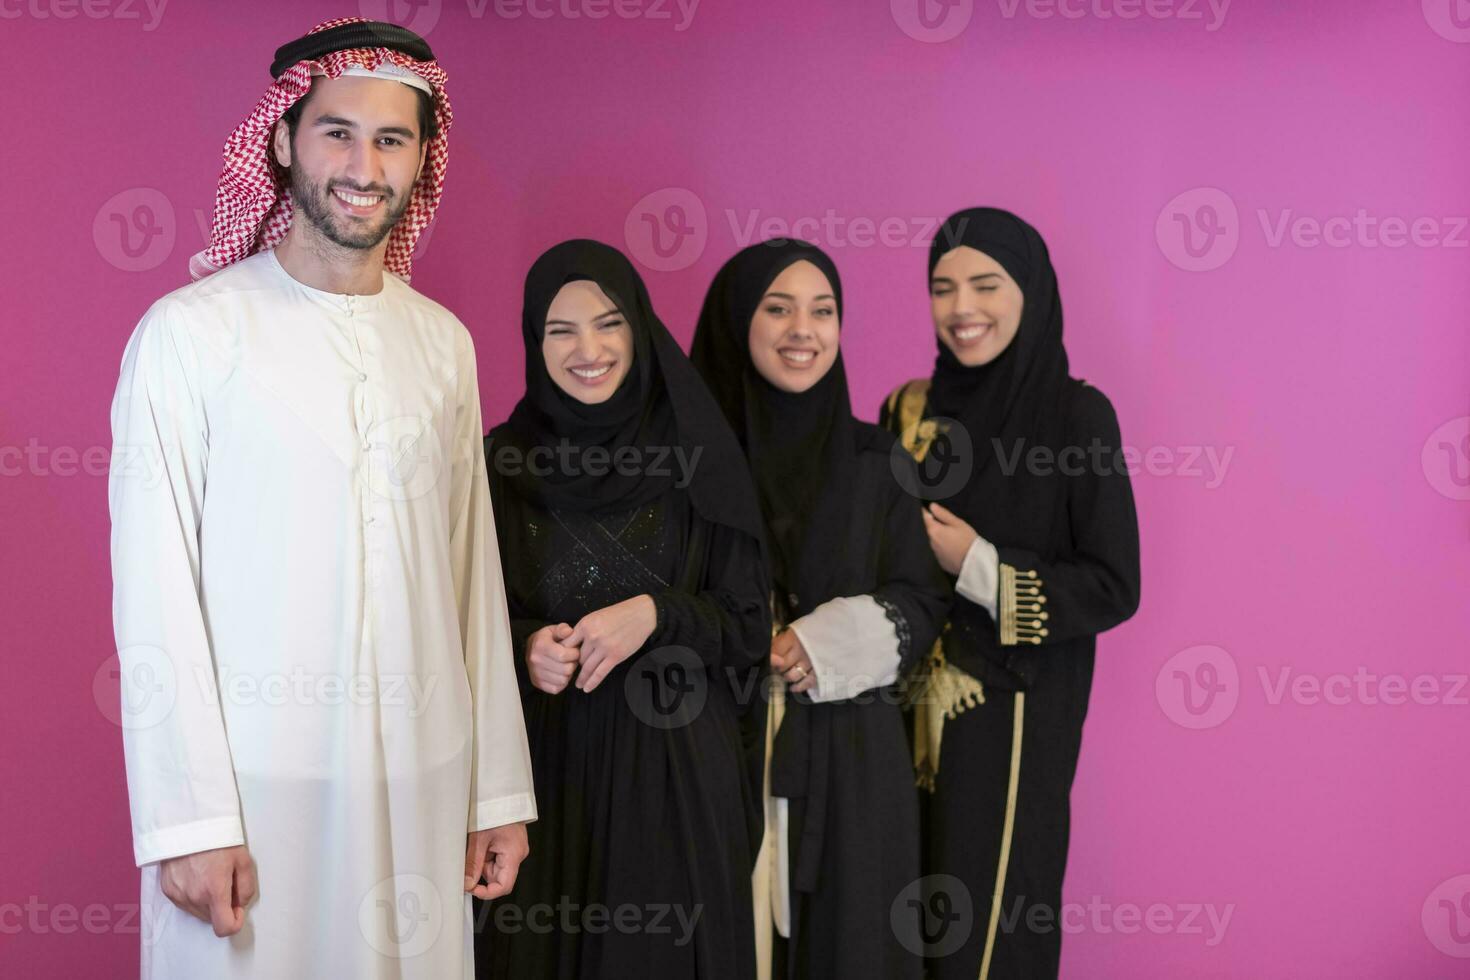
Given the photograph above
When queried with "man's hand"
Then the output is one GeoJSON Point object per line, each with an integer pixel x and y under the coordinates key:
{"type": "Point", "coordinates": [789, 661]}
{"type": "Point", "coordinates": [949, 536]}
{"type": "Point", "coordinates": [496, 855]}
{"type": "Point", "coordinates": [549, 661]}
{"type": "Point", "coordinates": [611, 635]}
{"type": "Point", "coordinates": [213, 886]}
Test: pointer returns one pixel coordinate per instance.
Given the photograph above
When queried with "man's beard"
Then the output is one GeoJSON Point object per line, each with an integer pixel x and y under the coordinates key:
{"type": "Point", "coordinates": [315, 204]}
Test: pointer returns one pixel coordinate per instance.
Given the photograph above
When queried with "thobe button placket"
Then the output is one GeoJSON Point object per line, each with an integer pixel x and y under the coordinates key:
{"type": "Point", "coordinates": [368, 500]}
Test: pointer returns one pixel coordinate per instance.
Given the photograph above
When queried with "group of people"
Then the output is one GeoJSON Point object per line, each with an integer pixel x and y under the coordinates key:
{"type": "Point", "coordinates": [682, 689]}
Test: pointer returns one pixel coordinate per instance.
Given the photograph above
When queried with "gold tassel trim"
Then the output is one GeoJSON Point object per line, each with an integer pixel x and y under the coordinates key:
{"type": "Point", "coordinates": [915, 432]}
{"type": "Point", "coordinates": [939, 692]}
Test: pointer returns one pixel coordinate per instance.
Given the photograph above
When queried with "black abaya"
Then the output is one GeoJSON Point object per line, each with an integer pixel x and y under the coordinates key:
{"type": "Point", "coordinates": [648, 785]}
{"type": "Point", "coordinates": [633, 816]}
{"type": "Point", "coordinates": [999, 817]}
{"type": "Point", "coordinates": [840, 525]}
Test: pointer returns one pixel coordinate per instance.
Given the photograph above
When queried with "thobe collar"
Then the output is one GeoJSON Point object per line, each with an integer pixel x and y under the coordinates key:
{"type": "Point", "coordinates": [337, 302]}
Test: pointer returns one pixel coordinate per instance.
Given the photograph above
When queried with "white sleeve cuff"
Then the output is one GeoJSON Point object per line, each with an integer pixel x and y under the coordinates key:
{"type": "Point", "coordinates": [853, 647]}
{"type": "Point", "coordinates": [980, 575]}
{"type": "Point", "coordinates": [189, 838]}
{"type": "Point", "coordinates": [516, 808]}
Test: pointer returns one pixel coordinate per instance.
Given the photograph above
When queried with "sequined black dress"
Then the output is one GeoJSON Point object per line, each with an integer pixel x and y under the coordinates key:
{"type": "Point", "coordinates": [640, 862]}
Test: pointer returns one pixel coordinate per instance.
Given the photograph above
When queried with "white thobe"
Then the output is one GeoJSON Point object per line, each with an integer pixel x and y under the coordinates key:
{"type": "Point", "coordinates": [311, 623]}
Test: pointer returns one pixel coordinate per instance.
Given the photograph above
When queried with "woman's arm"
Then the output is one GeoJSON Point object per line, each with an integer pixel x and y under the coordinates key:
{"type": "Point", "coordinates": [1096, 586]}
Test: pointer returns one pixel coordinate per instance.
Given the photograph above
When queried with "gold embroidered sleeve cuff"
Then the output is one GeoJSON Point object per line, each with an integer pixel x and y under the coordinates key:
{"type": "Point", "coordinates": [1022, 619]}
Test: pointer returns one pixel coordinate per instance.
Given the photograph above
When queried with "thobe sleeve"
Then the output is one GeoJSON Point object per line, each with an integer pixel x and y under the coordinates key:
{"type": "Point", "coordinates": [1095, 586]}
{"type": "Point", "coordinates": [181, 779]}
{"type": "Point", "coordinates": [500, 776]}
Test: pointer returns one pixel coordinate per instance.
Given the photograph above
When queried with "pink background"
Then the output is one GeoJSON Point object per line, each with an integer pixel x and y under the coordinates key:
{"type": "Point", "coordinates": [1335, 543]}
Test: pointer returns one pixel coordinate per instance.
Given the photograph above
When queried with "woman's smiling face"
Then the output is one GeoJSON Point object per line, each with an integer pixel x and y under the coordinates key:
{"type": "Point", "coordinates": [794, 331]}
{"type": "Point", "coordinates": [587, 343]}
{"type": "Point", "coordinates": [976, 305]}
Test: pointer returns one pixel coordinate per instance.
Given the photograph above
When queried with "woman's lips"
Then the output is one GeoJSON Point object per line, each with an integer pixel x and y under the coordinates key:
{"type": "Point", "coordinates": [797, 358]}
{"type": "Point", "coordinates": [970, 334]}
{"type": "Point", "coordinates": [593, 375]}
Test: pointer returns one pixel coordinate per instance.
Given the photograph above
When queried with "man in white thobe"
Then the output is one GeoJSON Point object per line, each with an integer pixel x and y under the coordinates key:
{"type": "Point", "coordinates": [322, 728]}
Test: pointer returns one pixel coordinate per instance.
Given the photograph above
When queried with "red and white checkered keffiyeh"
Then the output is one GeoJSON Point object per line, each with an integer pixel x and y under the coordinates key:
{"type": "Point", "coordinates": [252, 207]}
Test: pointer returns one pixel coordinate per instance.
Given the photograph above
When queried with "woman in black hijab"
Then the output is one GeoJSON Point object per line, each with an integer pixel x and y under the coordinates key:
{"type": "Point", "coordinates": [631, 543]}
{"type": "Point", "coordinates": [1032, 513]}
{"type": "Point", "coordinates": [857, 596]}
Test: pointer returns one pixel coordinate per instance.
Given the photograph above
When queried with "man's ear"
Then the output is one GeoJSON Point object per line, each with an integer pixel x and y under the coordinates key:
{"type": "Point", "coordinates": [281, 143]}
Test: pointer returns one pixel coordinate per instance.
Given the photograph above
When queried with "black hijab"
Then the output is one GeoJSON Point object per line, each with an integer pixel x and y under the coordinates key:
{"type": "Point", "coordinates": [800, 445]}
{"type": "Point", "coordinates": [1017, 401]}
{"type": "Point", "coordinates": [660, 404]}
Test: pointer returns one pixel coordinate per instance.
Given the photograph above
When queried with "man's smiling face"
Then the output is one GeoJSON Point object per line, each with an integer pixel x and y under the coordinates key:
{"type": "Point", "coordinates": [355, 155]}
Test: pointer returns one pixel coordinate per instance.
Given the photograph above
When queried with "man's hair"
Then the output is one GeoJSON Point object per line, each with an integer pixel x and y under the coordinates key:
{"type": "Point", "coordinates": [428, 122]}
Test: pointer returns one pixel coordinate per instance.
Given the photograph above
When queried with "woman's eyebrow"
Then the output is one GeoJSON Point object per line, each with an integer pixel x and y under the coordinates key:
{"type": "Point", "coordinates": [788, 296]}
